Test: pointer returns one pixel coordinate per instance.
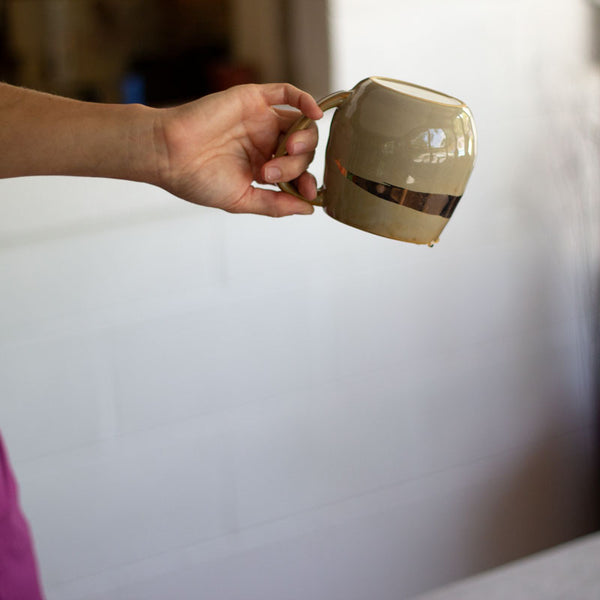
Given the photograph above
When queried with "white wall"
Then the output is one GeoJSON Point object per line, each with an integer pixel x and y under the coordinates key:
{"type": "Point", "coordinates": [201, 405]}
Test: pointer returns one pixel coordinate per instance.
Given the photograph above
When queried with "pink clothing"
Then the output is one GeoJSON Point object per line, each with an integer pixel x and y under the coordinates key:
{"type": "Point", "coordinates": [18, 570]}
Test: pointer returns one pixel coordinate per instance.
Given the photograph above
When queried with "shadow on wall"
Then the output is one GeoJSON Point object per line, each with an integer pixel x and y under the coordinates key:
{"type": "Point", "coordinates": [595, 42]}
{"type": "Point", "coordinates": [548, 494]}
{"type": "Point", "coordinates": [540, 499]}
{"type": "Point", "coordinates": [536, 506]}
{"type": "Point", "coordinates": [572, 236]}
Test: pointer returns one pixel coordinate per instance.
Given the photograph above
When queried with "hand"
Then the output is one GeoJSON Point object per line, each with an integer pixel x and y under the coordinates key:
{"type": "Point", "coordinates": [215, 148]}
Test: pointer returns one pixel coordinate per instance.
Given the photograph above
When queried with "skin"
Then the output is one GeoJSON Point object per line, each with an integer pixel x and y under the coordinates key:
{"type": "Point", "coordinates": [209, 152]}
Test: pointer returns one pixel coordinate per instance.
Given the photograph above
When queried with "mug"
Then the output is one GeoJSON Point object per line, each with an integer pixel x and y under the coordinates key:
{"type": "Point", "coordinates": [398, 158]}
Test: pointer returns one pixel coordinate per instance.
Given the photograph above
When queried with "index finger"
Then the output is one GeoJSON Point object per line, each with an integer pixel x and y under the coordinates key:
{"type": "Point", "coordinates": [285, 93]}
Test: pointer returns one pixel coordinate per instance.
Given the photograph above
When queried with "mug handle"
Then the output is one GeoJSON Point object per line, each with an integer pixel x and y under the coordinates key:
{"type": "Point", "coordinates": [330, 101]}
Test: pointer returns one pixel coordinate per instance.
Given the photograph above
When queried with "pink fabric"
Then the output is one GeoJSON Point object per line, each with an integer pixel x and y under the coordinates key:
{"type": "Point", "coordinates": [18, 570]}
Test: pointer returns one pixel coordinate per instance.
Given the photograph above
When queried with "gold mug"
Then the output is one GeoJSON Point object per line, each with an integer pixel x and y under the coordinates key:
{"type": "Point", "coordinates": [398, 158]}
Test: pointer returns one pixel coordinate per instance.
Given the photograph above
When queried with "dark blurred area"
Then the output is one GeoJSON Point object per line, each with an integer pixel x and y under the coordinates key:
{"type": "Point", "coordinates": [595, 24]}
{"type": "Point", "coordinates": [156, 52]}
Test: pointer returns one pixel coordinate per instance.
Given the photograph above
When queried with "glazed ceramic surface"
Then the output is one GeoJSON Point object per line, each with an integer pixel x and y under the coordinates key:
{"type": "Point", "coordinates": [398, 159]}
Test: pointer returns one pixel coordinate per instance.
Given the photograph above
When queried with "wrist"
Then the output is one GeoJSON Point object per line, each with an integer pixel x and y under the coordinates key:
{"type": "Point", "coordinates": [177, 143]}
{"type": "Point", "coordinates": [155, 152]}
{"type": "Point", "coordinates": [133, 146]}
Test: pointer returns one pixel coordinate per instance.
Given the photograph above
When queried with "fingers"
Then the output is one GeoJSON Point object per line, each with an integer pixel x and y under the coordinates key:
{"type": "Point", "coordinates": [284, 93]}
{"type": "Point", "coordinates": [285, 168]}
{"type": "Point", "coordinates": [307, 186]}
{"type": "Point", "coordinates": [303, 142]}
{"type": "Point", "coordinates": [301, 148]}
{"type": "Point", "coordinates": [288, 117]}
{"type": "Point", "coordinates": [272, 204]}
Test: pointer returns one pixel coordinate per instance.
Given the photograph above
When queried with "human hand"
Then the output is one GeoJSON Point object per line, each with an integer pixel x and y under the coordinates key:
{"type": "Point", "coordinates": [214, 148]}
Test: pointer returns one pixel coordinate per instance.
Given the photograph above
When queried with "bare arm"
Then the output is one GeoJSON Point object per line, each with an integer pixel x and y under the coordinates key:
{"type": "Point", "coordinates": [41, 134]}
{"type": "Point", "coordinates": [208, 152]}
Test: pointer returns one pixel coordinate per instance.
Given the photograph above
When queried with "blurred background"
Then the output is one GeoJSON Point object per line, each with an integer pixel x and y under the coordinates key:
{"type": "Point", "coordinates": [205, 405]}
{"type": "Point", "coordinates": [160, 51]}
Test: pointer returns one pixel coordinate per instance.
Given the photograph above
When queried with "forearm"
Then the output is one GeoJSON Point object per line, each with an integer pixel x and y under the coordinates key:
{"type": "Point", "coordinates": [41, 134]}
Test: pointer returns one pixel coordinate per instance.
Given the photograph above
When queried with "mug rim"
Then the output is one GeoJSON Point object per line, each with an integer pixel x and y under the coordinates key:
{"type": "Point", "coordinates": [456, 102]}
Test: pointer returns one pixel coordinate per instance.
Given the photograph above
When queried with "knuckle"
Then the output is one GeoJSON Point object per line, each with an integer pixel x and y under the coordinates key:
{"type": "Point", "coordinates": [274, 210]}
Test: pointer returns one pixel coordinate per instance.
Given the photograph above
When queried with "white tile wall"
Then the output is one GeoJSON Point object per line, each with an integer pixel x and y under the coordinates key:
{"type": "Point", "coordinates": [202, 405]}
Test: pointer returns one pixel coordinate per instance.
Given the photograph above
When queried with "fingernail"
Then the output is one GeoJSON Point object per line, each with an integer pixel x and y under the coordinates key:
{"type": "Point", "coordinates": [299, 148]}
{"type": "Point", "coordinates": [307, 209]}
{"type": "Point", "coordinates": [272, 174]}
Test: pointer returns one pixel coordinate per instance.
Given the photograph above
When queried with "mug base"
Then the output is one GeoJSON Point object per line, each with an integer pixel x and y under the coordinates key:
{"type": "Point", "coordinates": [375, 215]}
